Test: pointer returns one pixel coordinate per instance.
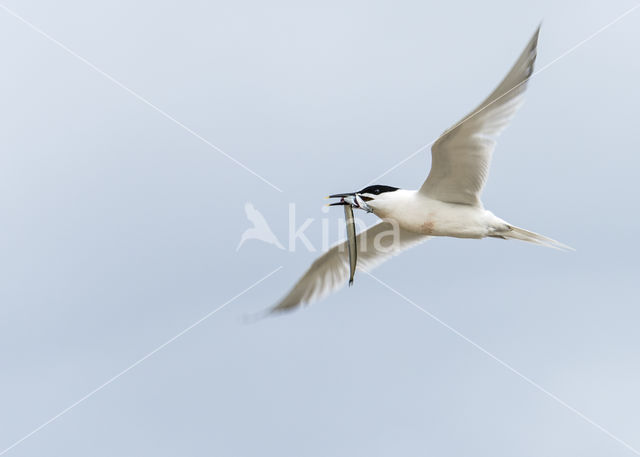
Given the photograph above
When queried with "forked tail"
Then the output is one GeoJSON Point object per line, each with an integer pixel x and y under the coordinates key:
{"type": "Point", "coordinates": [518, 233]}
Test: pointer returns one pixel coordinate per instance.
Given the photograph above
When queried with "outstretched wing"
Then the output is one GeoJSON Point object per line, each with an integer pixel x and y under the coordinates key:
{"type": "Point", "coordinates": [462, 155]}
{"type": "Point", "coordinates": [331, 271]}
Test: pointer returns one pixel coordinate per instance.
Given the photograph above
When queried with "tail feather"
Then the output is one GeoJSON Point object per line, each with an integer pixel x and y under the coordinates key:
{"type": "Point", "coordinates": [518, 233]}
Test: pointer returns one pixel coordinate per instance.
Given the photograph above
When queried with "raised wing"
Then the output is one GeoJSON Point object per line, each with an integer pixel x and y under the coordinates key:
{"type": "Point", "coordinates": [462, 155]}
{"type": "Point", "coordinates": [330, 272]}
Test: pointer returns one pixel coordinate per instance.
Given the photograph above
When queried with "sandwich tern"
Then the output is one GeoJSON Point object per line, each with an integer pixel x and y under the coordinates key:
{"type": "Point", "coordinates": [447, 204]}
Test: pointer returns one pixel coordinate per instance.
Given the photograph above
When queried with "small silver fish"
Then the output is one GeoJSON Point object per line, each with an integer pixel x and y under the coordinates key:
{"type": "Point", "coordinates": [348, 199]}
{"type": "Point", "coordinates": [352, 245]}
{"type": "Point", "coordinates": [360, 203]}
{"type": "Point", "coordinates": [353, 199]}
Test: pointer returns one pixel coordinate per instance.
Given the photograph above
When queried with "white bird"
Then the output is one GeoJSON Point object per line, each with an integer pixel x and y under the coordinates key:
{"type": "Point", "coordinates": [447, 204]}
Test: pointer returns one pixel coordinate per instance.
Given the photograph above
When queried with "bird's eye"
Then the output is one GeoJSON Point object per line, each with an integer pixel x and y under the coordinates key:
{"type": "Point", "coordinates": [376, 191]}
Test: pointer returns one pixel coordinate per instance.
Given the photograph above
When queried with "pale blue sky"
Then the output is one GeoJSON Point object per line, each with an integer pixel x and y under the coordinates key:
{"type": "Point", "coordinates": [119, 230]}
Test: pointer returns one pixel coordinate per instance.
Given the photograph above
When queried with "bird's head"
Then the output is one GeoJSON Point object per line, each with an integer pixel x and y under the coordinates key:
{"type": "Point", "coordinates": [369, 199]}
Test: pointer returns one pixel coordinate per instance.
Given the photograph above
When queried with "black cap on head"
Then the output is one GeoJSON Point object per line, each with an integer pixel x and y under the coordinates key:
{"type": "Point", "coordinates": [377, 189]}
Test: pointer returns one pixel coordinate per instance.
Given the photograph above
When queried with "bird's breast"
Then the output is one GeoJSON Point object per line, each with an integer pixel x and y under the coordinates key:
{"type": "Point", "coordinates": [441, 219]}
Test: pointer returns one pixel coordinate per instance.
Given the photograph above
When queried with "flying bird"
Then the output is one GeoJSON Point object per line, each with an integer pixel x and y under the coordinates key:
{"type": "Point", "coordinates": [447, 204]}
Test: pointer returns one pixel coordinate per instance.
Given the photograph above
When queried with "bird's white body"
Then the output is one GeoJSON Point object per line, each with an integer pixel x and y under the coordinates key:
{"type": "Point", "coordinates": [418, 213]}
{"type": "Point", "coordinates": [447, 204]}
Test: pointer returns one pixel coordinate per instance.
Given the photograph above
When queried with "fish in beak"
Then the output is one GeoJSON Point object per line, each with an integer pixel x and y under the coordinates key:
{"type": "Point", "coordinates": [353, 199]}
{"type": "Point", "coordinates": [350, 201]}
{"type": "Point", "coordinates": [352, 243]}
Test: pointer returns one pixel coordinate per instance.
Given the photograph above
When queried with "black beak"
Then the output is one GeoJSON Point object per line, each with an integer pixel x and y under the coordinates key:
{"type": "Point", "coordinates": [341, 197]}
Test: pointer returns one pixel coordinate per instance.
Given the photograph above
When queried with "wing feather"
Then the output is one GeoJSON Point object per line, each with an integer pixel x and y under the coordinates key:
{"type": "Point", "coordinates": [462, 155]}
{"type": "Point", "coordinates": [330, 271]}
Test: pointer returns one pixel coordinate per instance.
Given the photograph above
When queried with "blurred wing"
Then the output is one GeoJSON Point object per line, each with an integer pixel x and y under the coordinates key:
{"type": "Point", "coordinates": [331, 271]}
{"type": "Point", "coordinates": [462, 155]}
